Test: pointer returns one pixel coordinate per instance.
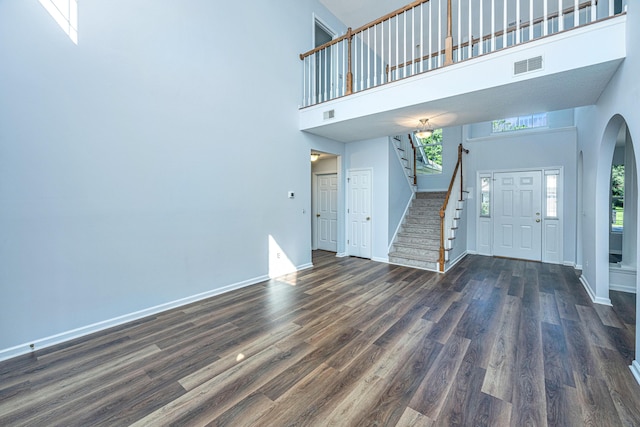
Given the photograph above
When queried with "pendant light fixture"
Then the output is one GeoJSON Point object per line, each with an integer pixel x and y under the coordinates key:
{"type": "Point", "coordinates": [425, 130]}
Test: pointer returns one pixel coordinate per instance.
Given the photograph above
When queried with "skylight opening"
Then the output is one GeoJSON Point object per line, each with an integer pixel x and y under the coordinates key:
{"type": "Point", "coordinates": [65, 13]}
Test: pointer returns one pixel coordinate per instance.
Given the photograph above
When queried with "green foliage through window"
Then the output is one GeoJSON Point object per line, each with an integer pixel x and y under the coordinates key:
{"type": "Point", "coordinates": [617, 197]}
{"type": "Point", "coordinates": [520, 122]}
{"type": "Point", "coordinates": [485, 196]}
{"type": "Point", "coordinates": [430, 153]}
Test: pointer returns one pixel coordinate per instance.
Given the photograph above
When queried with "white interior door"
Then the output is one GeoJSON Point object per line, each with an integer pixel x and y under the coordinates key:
{"type": "Point", "coordinates": [327, 212]}
{"type": "Point", "coordinates": [517, 228]}
{"type": "Point", "coordinates": [359, 213]}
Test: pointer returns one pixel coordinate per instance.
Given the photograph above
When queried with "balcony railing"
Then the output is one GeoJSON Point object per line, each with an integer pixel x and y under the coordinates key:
{"type": "Point", "coordinates": [426, 35]}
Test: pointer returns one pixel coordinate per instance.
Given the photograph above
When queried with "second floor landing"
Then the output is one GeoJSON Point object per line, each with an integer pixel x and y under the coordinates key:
{"type": "Point", "coordinates": [566, 69]}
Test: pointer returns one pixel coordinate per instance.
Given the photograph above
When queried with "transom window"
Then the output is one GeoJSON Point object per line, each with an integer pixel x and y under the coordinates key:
{"type": "Point", "coordinates": [530, 121]}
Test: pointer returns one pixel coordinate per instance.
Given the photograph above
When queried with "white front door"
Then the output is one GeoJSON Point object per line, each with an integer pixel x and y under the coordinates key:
{"type": "Point", "coordinates": [327, 212]}
{"type": "Point", "coordinates": [359, 213]}
{"type": "Point", "coordinates": [518, 210]}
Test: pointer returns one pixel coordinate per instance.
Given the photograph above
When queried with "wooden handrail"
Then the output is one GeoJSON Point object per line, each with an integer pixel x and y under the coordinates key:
{"type": "Point", "coordinates": [461, 150]}
{"type": "Point", "coordinates": [448, 49]}
{"type": "Point", "coordinates": [350, 33]}
{"type": "Point", "coordinates": [499, 33]}
{"type": "Point", "coordinates": [337, 40]}
{"type": "Point", "coordinates": [415, 160]}
{"type": "Point", "coordinates": [390, 15]}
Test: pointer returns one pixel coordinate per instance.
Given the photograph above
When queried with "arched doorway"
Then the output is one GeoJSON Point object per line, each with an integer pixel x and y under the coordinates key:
{"type": "Point", "coordinates": [603, 207]}
{"type": "Point", "coordinates": [623, 214]}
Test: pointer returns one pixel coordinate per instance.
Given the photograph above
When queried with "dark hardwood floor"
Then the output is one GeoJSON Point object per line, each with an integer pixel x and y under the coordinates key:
{"type": "Point", "coordinates": [351, 342]}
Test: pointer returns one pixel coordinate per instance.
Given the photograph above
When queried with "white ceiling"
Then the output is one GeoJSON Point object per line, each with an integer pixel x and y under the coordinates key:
{"type": "Point", "coordinates": [355, 13]}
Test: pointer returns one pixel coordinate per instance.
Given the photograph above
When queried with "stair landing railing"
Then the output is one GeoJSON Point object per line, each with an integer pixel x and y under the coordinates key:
{"type": "Point", "coordinates": [429, 34]}
{"type": "Point", "coordinates": [406, 151]}
{"type": "Point", "coordinates": [455, 194]}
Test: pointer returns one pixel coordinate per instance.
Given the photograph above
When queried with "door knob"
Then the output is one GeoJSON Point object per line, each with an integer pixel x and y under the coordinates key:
{"type": "Point", "coordinates": [538, 220]}
{"type": "Point", "coordinates": [368, 218]}
{"type": "Point", "coordinates": [318, 215]}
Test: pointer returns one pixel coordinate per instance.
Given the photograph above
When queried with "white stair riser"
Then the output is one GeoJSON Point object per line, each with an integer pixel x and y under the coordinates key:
{"type": "Point", "coordinates": [426, 254]}
{"type": "Point", "coordinates": [428, 243]}
{"type": "Point", "coordinates": [413, 263]}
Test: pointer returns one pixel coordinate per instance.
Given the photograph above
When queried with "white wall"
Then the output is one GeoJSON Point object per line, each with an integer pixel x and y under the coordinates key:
{"type": "Point", "coordinates": [400, 192]}
{"type": "Point", "coordinates": [128, 179]}
{"type": "Point", "coordinates": [598, 128]}
{"type": "Point", "coordinates": [374, 154]}
{"type": "Point", "coordinates": [519, 150]}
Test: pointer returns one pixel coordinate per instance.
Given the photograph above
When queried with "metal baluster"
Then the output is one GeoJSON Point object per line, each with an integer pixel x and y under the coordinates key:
{"type": "Point", "coordinates": [561, 17]}
{"type": "Point", "coordinates": [439, 62]}
{"type": "Point", "coordinates": [471, 30]}
{"type": "Point", "coordinates": [518, 22]}
{"type": "Point", "coordinates": [545, 12]}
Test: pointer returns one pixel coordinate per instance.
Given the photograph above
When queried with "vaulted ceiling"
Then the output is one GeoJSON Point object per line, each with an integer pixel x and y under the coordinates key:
{"type": "Point", "coordinates": [355, 13]}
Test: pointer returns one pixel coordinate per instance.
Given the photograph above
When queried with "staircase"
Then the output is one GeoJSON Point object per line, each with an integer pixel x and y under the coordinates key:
{"type": "Point", "coordinates": [418, 241]}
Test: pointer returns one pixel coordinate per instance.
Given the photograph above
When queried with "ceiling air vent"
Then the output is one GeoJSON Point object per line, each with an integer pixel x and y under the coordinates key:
{"type": "Point", "coordinates": [330, 114]}
{"type": "Point", "coordinates": [527, 65]}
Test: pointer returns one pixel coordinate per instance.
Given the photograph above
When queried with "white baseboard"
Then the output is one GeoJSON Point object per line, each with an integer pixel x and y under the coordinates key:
{"type": "Point", "coordinates": [569, 264]}
{"type": "Point", "coordinates": [622, 278]}
{"type": "Point", "coordinates": [341, 255]}
{"type": "Point", "coordinates": [594, 299]}
{"type": "Point", "coordinates": [455, 261]}
{"type": "Point", "coordinates": [635, 370]}
{"type": "Point", "coordinates": [378, 259]}
{"type": "Point", "coordinates": [469, 252]}
{"type": "Point", "coordinates": [120, 320]}
{"type": "Point", "coordinates": [578, 267]}
{"type": "Point", "coordinates": [622, 288]}
{"type": "Point", "coordinates": [304, 266]}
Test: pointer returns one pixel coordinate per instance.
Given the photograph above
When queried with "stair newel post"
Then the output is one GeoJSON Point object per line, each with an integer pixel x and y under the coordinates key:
{"type": "Point", "coordinates": [349, 65]}
{"type": "Point", "coordinates": [441, 257]}
{"type": "Point", "coordinates": [448, 42]}
{"type": "Point", "coordinates": [461, 150]}
{"type": "Point", "coordinates": [460, 161]}
{"type": "Point", "coordinates": [415, 160]}
{"type": "Point", "coordinates": [415, 165]}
